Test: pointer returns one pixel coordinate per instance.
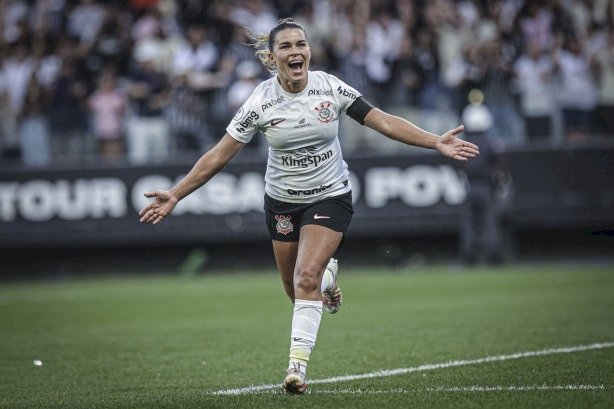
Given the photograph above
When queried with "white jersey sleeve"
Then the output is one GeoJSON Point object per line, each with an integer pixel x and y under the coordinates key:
{"type": "Point", "coordinates": [246, 121]}
{"type": "Point", "coordinates": [346, 94]}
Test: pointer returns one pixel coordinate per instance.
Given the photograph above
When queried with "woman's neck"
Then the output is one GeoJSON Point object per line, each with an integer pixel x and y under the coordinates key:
{"type": "Point", "coordinates": [293, 87]}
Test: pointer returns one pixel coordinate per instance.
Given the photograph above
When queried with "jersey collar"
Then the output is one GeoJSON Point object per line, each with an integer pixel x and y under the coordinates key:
{"type": "Point", "coordinates": [291, 94]}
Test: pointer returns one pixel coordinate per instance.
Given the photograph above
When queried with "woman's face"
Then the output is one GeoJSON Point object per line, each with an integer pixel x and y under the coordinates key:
{"type": "Point", "coordinates": [291, 54]}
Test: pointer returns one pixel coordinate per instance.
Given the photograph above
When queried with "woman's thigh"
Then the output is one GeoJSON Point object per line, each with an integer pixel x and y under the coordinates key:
{"type": "Point", "coordinates": [317, 244]}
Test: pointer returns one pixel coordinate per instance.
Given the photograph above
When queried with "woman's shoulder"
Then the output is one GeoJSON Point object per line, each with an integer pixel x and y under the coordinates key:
{"type": "Point", "coordinates": [265, 86]}
{"type": "Point", "coordinates": [322, 74]}
{"type": "Point", "coordinates": [325, 77]}
{"type": "Point", "coordinates": [269, 82]}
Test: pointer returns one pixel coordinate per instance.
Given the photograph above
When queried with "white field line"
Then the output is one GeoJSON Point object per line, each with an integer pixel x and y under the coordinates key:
{"type": "Point", "coordinates": [474, 388]}
{"type": "Point", "coordinates": [422, 368]}
{"type": "Point", "coordinates": [453, 389]}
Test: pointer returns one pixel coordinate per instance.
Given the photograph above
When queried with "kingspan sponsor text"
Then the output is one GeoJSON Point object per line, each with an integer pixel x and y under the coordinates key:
{"type": "Point", "coordinates": [306, 161]}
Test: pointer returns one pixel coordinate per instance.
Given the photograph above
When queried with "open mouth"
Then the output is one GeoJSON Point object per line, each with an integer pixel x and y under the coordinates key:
{"type": "Point", "coordinates": [296, 66]}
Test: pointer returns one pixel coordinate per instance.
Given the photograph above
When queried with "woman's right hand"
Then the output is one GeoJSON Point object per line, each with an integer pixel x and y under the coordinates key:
{"type": "Point", "coordinates": [163, 204]}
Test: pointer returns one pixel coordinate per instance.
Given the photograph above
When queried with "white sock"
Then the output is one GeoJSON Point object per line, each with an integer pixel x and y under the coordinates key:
{"type": "Point", "coordinates": [305, 323]}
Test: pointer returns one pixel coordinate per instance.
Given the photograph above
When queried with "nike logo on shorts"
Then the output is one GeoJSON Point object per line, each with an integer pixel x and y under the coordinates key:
{"type": "Point", "coordinates": [317, 216]}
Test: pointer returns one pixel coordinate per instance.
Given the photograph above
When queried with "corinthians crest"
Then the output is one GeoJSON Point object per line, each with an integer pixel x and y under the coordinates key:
{"type": "Point", "coordinates": [325, 113]}
{"type": "Point", "coordinates": [284, 225]}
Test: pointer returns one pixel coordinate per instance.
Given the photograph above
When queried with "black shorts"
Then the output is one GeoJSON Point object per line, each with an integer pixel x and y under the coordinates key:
{"type": "Point", "coordinates": [284, 220]}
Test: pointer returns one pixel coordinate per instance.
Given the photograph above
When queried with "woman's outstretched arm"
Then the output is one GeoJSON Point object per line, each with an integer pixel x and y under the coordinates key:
{"type": "Point", "coordinates": [404, 131]}
{"type": "Point", "coordinates": [205, 168]}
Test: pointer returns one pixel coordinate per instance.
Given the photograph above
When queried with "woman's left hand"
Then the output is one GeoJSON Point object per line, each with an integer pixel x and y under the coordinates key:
{"type": "Point", "coordinates": [452, 146]}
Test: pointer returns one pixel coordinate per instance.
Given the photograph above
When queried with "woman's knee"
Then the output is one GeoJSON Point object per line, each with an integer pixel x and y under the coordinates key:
{"type": "Point", "coordinates": [307, 277]}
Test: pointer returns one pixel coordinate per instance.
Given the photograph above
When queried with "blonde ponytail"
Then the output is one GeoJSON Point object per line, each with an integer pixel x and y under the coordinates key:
{"type": "Point", "coordinates": [261, 45]}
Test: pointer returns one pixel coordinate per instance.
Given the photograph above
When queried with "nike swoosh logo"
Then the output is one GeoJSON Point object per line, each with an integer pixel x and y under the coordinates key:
{"type": "Point", "coordinates": [317, 216]}
{"type": "Point", "coordinates": [277, 121]}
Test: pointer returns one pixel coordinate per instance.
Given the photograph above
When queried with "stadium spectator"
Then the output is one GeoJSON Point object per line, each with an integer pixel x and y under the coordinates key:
{"type": "Point", "coordinates": [147, 25]}
{"type": "Point", "coordinates": [479, 232]}
{"type": "Point", "coordinates": [605, 107]}
{"type": "Point", "coordinates": [287, 8]}
{"type": "Point", "coordinates": [256, 15]}
{"type": "Point", "coordinates": [248, 77]}
{"type": "Point", "coordinates": [193, 11]}
{"type": "Point", "coordinates": [14, 15]}
{"type": "Point", "coordinates": [85, 20]}
{"type": "Point", "coordinates": [454, 36]}
{"type": "Point", "coordinates": [578, 89]}
{"type": "Point", "coordinates": [185, 114]}
{"type": "Point", "coordinates": [409, 72]}
{"type": "Point", "coordinates": [298, 112]}
{"type": "Point", "coordinates": [534, 74]}
{"type": "Point", "coordinates": [162, 46]}
{"type": "Point", "coordinates": [349, 48]}
{"type": "Point", "coordinates": [383, 35]}
{"type": "Point", "coordinates": [238, 48]}
{"type": "Point", "coordinates": [111, 44]}
{"type": "Point", "coordinates": [468, 74]}
{"type": "Point", "coordinates": [199, 70]}
{"type": "Point", "coordinates": [47, 16]}
{"type": "Point", "coordinates": [108, 105]}
{"type": "Point", "coordinates": [8, 122]}
{"type": "Point", "coordinates": [498, 74]}
{"type": "Point", "coordinates": [535, 21]}
{"type": "Point", "coordinates": [147, 134]}
{"type": "Point", "coordinates": [34, 126]}
{"type": "Point", "coordinates": [18, 69]}
{"type": "Point", "coordinates": [67, 113]}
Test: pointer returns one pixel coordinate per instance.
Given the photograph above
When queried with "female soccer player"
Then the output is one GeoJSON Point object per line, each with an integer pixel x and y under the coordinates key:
{"type": "Point", "coordinates": [308, 197]}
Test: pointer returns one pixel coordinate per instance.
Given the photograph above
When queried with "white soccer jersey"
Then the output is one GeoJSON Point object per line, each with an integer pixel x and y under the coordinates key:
{"type": "Point", "coordinates": [305, 162]}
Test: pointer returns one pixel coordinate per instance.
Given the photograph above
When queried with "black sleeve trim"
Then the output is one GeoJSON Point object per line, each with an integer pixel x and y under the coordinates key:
{"type": "Point", "coordinates": [359, 110]}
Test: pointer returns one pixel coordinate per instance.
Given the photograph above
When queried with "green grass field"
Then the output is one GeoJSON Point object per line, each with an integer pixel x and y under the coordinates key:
{"type": "Point", "coordinates": [171, 342]}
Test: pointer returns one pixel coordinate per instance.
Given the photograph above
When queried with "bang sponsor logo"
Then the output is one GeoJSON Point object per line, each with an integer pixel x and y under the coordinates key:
{"type": "Point", "coordinates": [247, 122]}
{"type": "Point", "coordinates": [345, 93]}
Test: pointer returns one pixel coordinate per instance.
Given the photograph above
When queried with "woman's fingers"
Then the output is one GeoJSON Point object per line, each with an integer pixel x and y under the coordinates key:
{"type": "Point", "coordinates": [145, 209]}
{"type": "Point", "coordinates": [471, 146]}
{"type": "Point", "coordinates": [469, 152]}
{"type": "Point", "coordinates": [458, 129]}
{"type": "Point", "coordinates": [145, 217]}
{"type": "Point", "coordinates": [154, 212]}
{"type": "Point", "coordinates": [149, 214]}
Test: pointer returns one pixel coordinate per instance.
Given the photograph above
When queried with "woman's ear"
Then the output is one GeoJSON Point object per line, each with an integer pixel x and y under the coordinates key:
{"type": "Point", "coordinates": [271, 59]}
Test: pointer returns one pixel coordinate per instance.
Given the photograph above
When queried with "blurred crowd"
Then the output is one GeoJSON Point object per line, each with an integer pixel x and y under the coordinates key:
{"type": "Point", "coordinates": [138, 80]}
